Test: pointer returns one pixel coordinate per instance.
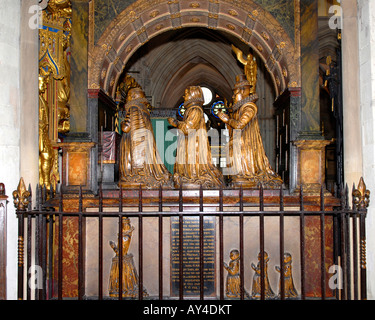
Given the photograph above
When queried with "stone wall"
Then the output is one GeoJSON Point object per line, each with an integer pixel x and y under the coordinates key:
{"type": "Point", "coordinates": [366, 36]}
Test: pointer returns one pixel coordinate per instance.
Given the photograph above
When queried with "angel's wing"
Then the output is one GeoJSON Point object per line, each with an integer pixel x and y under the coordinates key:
{"type": "Point", "coordinates": [239, 55]}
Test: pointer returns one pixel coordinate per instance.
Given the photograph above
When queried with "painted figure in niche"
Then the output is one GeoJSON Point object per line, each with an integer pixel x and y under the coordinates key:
{"type": "Point", "coordinates": [233, 284]}
{"type": "Point", "coordinates": [247, 162]}
{"type": "Point", "coordinates": [130, 281]}
{"type": "Point", "coordinates": [193, 166]}
{"type": "Point", "coordinates": [140, 162]}
{"type": "Point", "coordinates": [289, 289]}
{"type": "Point", "coordinates": [256, 289]}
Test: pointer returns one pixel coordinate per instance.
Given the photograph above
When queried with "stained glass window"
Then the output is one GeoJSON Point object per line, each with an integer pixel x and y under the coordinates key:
{"type": "Point", "coordinates": [218, 106]}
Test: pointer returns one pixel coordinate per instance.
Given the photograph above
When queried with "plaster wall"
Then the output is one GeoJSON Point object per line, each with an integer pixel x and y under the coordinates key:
{"type": "Point", "coordinates": [366, 36]}
{"type": "Point", "coordinates": [10, 123]}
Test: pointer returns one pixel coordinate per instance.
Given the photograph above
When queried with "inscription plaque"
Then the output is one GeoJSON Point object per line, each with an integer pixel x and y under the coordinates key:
{"type": "Point", "coordinates": [191, 255]}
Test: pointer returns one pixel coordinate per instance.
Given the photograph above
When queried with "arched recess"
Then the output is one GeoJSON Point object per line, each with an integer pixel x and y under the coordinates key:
{"type": "Point", "coordinates": [143, 20]}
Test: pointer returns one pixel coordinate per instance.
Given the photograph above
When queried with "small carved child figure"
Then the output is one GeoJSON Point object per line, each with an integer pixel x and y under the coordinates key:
{"type": "Point", "coordinates": [256, 290]}
{"type": "Point", "coordinates": [233, 285]}
{"type": "Point", "coordinates": [289, 289]}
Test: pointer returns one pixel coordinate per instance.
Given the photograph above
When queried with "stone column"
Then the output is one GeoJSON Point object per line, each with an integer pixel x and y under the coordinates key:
{"type": "Point", "coordinates": [310, 109]}
{"type": "Point", "coordinates": [351, 94]}
{"type": "Point", "coordinates": [79, 66]}
{"type": "Point", "coordinates": [363, 114]}
{"type": "Point", "coordinates": [10, 17]}
{"type": "Point", "coordinates": [29, 93]}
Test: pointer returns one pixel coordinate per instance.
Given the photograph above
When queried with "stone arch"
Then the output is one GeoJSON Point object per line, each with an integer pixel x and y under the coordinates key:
{"type": "Point", "coordinates": [145, 19]}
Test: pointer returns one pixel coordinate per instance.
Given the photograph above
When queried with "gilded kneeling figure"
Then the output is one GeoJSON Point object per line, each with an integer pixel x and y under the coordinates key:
{"type": "Point", "coordinates": [247, 162]}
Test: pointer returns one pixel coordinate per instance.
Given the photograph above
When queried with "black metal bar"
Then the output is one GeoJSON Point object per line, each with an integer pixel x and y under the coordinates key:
{"type": "Point", "coordinates": [100, 244]}
{"type": "Point", "coordinates": [343, 257]}
{"type": "Point", "coordinates": [60, 244]}
{"type": "Point", "coordinates": [44, 256]}
{"type": "Point", "coordinates": [201, 256]}
{"type": "Point", "coordinates": [120, 257]}
{"type": "Point", "coordinates": [181, 257]}
{"type": "Point", "coordinates": [120, 244]}
{"type": "Point", "coordinates": [50, 255]}
{"type": "Point", "coordinates": [347, 245]}
{"type": "Point", "coordinates": [140, 243]}
{"type": "Point", "coordinates": [355, 255]}
{"type": "Point", "coordinates": [29, 237]}
{"type": "Point", "coordinates": [322, 246]}
{"type": "Point", "coordinates": [160, 243]}
{"type": "Point", "coordinates": [242, 267]}
{"type": "Point", "coordinates": [221, 243]}
{"type": "Point", "coordinates": [302, 245]}
{"type": "Point", "coordinates": [282, 245]}
{"type": "Point", "coordinates": [348, 257]}
{"type": "Point", "coordinates": [362, 236]}
{"type": "Point", "coordinates": [29, 233]}
{"type": "Point", "coordinates": [180, 236]}
{"type": "Point", "coordinates": [336, 251]}
{"type": "Point", "coordinates": [180, 199]}
{"type": "Point", "coordinates": [80, 247]}
{"type": "Point", "coordinates": [201, 245]}
{"type": "Point", "coordinates": [261, 244]}
{"type": "Point", "coordinates": [20, 215]}
{"type": "Point", "coordinates": [39, 236]}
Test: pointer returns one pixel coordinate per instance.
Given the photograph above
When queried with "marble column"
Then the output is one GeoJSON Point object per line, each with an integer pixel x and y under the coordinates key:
{"type": "Point", "coordinates": [79, 66]}
{"type": "Point", "coordinates": [310, 109]}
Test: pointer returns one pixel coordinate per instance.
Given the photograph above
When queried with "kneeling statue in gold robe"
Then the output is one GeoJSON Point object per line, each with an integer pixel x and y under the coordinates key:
{"type": "Point", "coordinates": [247, 162]}
{"type": "Point", "coordinates": [140, 162]}
{"type": "Point", "coordinates": [193, 166]}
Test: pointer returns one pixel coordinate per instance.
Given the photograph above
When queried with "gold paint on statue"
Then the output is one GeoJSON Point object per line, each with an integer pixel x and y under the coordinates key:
{"type": "Point", "coordinates": [193, 166]}
{"type": "Point", "coordinates": [256, 289]}
{"type": "Point", "coordinates": [250, 67]}
{"type": "Point", "coordinates": [47, 154]}
{"type": "Point", "coordinates": [289, 289]}
{"type": "Point", "coordinates": [246, 158]}
{"type": "Point", "coordinates": [233, 284]}
{"type": "Point", "coordinates": [54, 87]}
{"type": "Point", "coordinates": [130, 281]}
{"type": "Point", "coordinates": [140, 162]}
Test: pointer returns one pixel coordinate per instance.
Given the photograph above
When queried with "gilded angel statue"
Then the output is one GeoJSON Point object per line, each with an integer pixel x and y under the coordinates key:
{"type": "Point", "coordinates": [250, 67]}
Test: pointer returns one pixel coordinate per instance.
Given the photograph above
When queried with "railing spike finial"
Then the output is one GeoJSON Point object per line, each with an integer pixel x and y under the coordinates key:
{"type": "Point", "coordinates": [361, 196]}
{"type": "Point", "coordinates": [21, 196]}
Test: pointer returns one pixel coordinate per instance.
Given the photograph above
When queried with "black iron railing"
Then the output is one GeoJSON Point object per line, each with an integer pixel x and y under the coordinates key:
{"type": "Point", "coordinates": [41, 236]}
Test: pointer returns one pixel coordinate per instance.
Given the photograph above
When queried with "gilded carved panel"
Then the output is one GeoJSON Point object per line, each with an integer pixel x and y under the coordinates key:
{"type": "Point", "coordinates": [54, 86]}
